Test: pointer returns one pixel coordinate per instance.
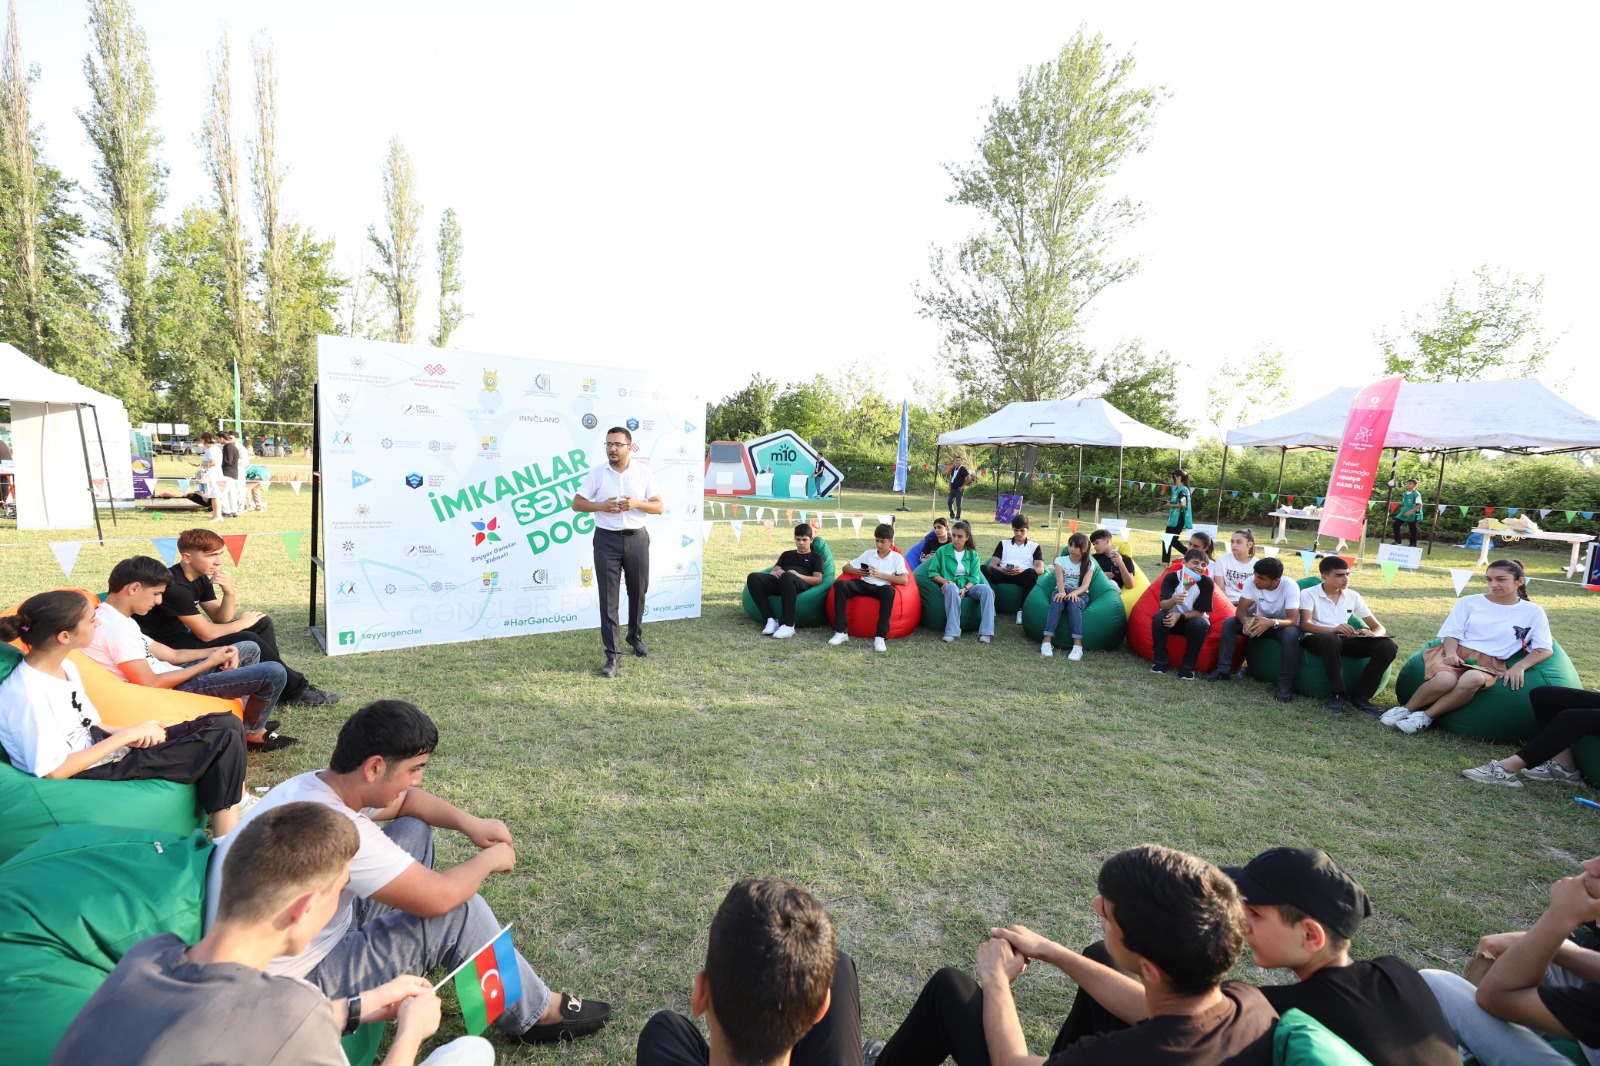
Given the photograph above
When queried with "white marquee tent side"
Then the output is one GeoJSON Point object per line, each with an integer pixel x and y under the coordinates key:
{"type": "Point", "coordinates": [69, 443]}
{"type": "Point", "coordinates": [1090, 422]}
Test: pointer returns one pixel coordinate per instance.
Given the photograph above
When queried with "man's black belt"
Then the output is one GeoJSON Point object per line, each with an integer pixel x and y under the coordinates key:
{"type": "Point", "coordinates": [618, 532]}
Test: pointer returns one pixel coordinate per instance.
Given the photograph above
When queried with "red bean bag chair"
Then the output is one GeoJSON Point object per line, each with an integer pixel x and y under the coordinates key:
{"type": "Point", "coordinates": [1145, 610]}
{"type": "Point", "coordinates": [861, 614]}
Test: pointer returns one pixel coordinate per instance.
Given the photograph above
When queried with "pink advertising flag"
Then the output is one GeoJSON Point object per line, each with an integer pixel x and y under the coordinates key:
{"type": "Point", "coordinates": [1355, 471]}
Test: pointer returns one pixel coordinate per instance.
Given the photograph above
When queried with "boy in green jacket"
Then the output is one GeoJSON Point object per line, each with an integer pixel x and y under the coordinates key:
{"type": "Point", "coordinates": [1409, 512]}
{"type": "Point", "coordinates": [956, 569]}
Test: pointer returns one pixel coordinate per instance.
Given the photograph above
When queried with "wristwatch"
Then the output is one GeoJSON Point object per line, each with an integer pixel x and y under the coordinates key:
{"type": "Point", "coordinates": [352, 1014]}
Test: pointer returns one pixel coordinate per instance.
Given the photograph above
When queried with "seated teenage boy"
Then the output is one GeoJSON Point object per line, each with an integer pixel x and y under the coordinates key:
{"type": "Point", "coordinates": [1172, 921]}
{"type": "Point", "coordinates": [398, 914]}
{"type": "Point", "coordinates": [230, 672]}
{"type": "Point", "coordinates": [1018, 561]}
{"type": "Point", "coordinates": [1325, 611]}
{"type": "Point", "coordinates": [167, 1002]}
{"type": "Point", "coordinates": [1184, 607]}
{"type": "Point", "coordinates": [192, 615]}
{"type": "Point", "coordinates": [1301, 910]}
{"type": "Point", "coordinates": [1269, 606]}
{"type": "Point", "coordinates": [1118, 567]}
{"type": "Point", "coordinates": [775, 988]}
{"type": "Point", "coordinates": [796, 571]}
{"type": "Point", "coordinates": [1540, 985]}
{"type": "Point", "coordinates": [880, 569]}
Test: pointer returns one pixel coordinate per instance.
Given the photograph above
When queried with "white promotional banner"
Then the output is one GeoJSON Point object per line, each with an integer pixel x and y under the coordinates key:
{"type": "Point", "coordinates": [447, 486]}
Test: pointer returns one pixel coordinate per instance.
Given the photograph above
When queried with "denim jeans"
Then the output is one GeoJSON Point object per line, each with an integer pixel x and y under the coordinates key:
{"type": "Point", "coordinates": [259, 684]}
{"type": "Point", "coordinates": [385, 943]}
{"type": "Point", "coordinates": [1074, 612]}
{"type": "Point", "coordinates": [1493, 1042]}
{"type": "Point", "coordinates": [1288, 638]}
{"type": "Point", "coordinates": [952, 609]}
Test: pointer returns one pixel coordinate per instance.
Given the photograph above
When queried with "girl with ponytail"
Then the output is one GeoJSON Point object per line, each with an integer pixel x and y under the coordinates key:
{"type": "Point", "coordinates": [49, 728]}
{"type": "Point", "coordinates": [1480, 634]}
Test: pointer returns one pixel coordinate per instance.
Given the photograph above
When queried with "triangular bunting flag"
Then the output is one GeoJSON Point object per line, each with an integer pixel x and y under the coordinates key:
{"type": "Point", "coordinates": [1394, 506]}
{"type": "Point", "coordinates": [1544, 512]}
{"type": "Point", "coordinates": [1570, 515]}
{"type": "Point", "coordinates": [789, 514]}
{"type": "Point", "coordinates": [1255, 495]}
{"type": "Point", "coordinates": [886, 519]}
{"type": "Point", "coordinates": [1459, 579]}
{"type": "Point", "coordinates": [1234, 493]}
{"type": "Point", "coordinates": [767, 525]}
{"type": "Point", "coordinates": [838, 519]}
{"type": "Point", "coordinates": [855, 524]}
{"type": "Point", "coordinates": [1441, 508]}
{"type": "Point", "coordinates": [1511, 512]}
{"type": "Point", "coordinates": [1389, 570]}
{"type": "Point", "coordinates": [1271, 551]}
{"type": "Point", "coordinates": [166, 547]}
{"type": "Point", "coordinates": [803, 517]}
{"type": "Point", "coordinates": [1289, 498]}
{"type": "Point", "coordinates": [183, 486]}
{"type": "Point", "coordinates": [1307, 558]}
{"type": "Point", "coordinates": [291, 544]}
{"type": "Point", "coordinates": [1588, 516]}
{"type": "Point", "coordinates": [149, 485]}
{"type": "Point", "coordinates": [738, 530]}
{"type": "Point", "coordinates": [1072, 525]}
{"type": "Point", "coordinates": [66, 553]}
{"type": "Point", "coordinates": [1463, 508]}
{"type": "Point", "coordinates": [1320, 499]}
{"type": "Point", "coordinates": [235, 543]}
{"type": "Point", "coordinates": [1488, 512]}
{"type": "Point", "coordinates": [705, 531]}
{"type": "Point", "coordinates": [295, 485]}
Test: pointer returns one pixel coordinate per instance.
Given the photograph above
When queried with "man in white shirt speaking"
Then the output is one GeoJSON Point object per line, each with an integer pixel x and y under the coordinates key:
{"type": "Point", "coordinates": [619, 495]}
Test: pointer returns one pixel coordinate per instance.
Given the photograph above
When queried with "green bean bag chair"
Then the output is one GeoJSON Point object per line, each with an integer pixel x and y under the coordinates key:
{"type": "Point", "coordinates": [1266, 656]}
{"type": "Point", "coordinates": [56, 946]}
{"type": "Point", "coordinates": [33, 806]}
{"type": "Point", "coordinates": [933, 604]}
{"type": "Point", "coordinates": [1008, 599]}
{"type": "Point", "coordinates": [1500, 714]}
{"type": "Point", "coordinates": [1105, 623]}
{"type": "Point", "coordinates": [809, 605]}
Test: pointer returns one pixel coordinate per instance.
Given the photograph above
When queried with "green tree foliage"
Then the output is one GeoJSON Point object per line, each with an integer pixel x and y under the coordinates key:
{"type": "Point", "coordinates": [399, 255]}
{"type": "Point", "coordinates": [192, 366]}
{"type": "Point", "coordinates": [49, 308]}
{"type": "Point", "coordinates": [744, 414]}
{"type": "Point", "coordinates": [266, 179]}
{"type": "Point", "coordinates": [1259, 391]}
{"type": "Point", "coordinates": [451, 313]}
{"type": "Point", "coordinates": [309, 302]}
{"type": "Point", "coordinates": [222, 166]}
{"type": "Point", "coordinates": [1011, 298]}
{"type": "Point", "coordinates": [129, 181]}
{"type": "Point", "coordinates": [1143, 387]}
{"type": "Point", "coordinates": [1491, 330]}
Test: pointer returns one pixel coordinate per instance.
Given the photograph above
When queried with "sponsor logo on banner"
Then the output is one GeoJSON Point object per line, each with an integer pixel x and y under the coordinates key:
{"type": "Point", "coordinates": [590, 421]}
{"type": "Point", "coordinates": [390, 443]}
{"type": "Point", "coordinates": [341, 440]}
{"type": "Point", "coordinates": [489, 447]}
{"type": "Point", "coordinates": [360, 518]}
{"type": "Point", "coordinates": [347, 590]}
{"type": "Point", "coordinates": [540, 386]}
{"type": "Point", "coordinates": [486, 532]}
{"type": "Point", "coordinates": [590, 385]}
{"type": "Point", "coordinates": [347, 638]}
{"type": "Point", "coordinates": [435, 481]}
{"type": "Point", "coordinates": [633, 425]}
{"type": "Point", "coordinates": [413, 480]}
{"type": "Point", "coordinates": [419, 410]}
{"type": "Point", "coordinates": [357, 479]}
{"type": "Point", "coordinates": [435, 376]}
{"type": "Point", "coordinates": [586, 575]}
{"type": "Point", "coordinates": [442, 447]}
{"type": "Point", "coordinates": [491, 580]}
{"type": "Point", "coordinates": [551, 420]}
{"type": "Point", "coordinates": [622, 393]}
{"type": "Point", "coordinates": [421, 551]}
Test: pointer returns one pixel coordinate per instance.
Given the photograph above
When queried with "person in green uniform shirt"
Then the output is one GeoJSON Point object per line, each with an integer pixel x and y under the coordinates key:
{"type": "Point", "coordinates": [1179, 517]}
{"type": "Point", "coordinates": [1409, 512]}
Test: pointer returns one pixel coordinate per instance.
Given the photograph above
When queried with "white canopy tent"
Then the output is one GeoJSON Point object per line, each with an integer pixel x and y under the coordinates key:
{"type": "Point", "coordinates": [1089, 422]}
{"type": "Point", "coordinates": [1450, 416]}
{"type": "Point", "coordinates": [60, 427]}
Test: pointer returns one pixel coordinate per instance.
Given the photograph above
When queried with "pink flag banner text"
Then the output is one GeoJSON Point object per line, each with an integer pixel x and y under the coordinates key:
{"type": "Point", "coordinates": [1360, 454]}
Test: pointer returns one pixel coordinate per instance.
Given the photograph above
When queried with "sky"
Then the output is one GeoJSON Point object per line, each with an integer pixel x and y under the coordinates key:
{"type": "Point", "coordinates": [729, 188]}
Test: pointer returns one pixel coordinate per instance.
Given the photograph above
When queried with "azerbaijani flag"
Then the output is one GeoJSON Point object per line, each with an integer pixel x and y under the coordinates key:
{"type": "Point", "coordinates": [487, 983]}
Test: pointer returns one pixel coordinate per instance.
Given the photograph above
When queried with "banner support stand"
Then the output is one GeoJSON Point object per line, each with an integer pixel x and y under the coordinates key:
{"type": "Point", "coordinates": [316, 501]}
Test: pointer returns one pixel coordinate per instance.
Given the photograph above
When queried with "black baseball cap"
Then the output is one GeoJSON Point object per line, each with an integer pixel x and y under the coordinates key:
{"type": "Point", "coordinates": [1308, 879]}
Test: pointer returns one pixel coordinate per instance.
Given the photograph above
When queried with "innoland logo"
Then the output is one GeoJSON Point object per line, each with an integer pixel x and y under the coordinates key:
{"type": "Point", "coordinates": [357, 479]}
{"type": "Point", "coordinates": [434, 369]}
{"type": "Point", "coordinates": [590, 421]}
{"type": "Point", "coordinates": [413, 480]}
{"type": "Point", "coordinates": [487, 531]}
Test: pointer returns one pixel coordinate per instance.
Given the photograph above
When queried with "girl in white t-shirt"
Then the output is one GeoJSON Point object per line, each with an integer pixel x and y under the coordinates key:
{"type": "Point", "coordinates": [1072, 573]}
{"type": "Point", "coordinates": [212, 482]}
{"type": "Point", "coordinates": [1480, 635]}
{"type": "Point", "coordinates": [1236, 571]}
{"type": "Point", "coordinates": [49, 728]}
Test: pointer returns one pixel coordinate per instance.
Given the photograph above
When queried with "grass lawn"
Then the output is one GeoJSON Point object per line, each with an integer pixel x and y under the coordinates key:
{"type": "Point", "coordinates": [924, 794]}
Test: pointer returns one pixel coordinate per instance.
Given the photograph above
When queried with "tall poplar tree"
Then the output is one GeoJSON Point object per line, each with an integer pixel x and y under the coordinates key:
{"type": "Point", "coordinates": [267, 178]}
{"type": "Point", "coordinates": [19, 214]}
{"type": "Point", "coordinates": [399, 254]}
{"type": "Point", "coordinates": [129, 181]}
{"type": "Point", "coordinates": [222, 167]}
{"type": "Point", "coordinates": [451, 312]}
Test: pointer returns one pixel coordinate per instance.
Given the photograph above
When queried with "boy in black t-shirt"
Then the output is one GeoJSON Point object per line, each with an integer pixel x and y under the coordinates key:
{"type": "Point", "coordinates": [796, 571]}
{"type": "Point", "coordinates": [1118, 567]}
{"type": "Point", "coordinates": [1174, 926]}
{"type": "Point", "coordinates": [1301, 910]}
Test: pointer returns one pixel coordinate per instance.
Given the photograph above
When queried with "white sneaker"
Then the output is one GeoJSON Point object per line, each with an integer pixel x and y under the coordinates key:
{"type": "Point", "coordinates": [949, 640]}
{"type": "Point", "coordinates": [1415, 722]}
{"type": "Point", "coordinates": [1395, 716]}
{"type": "Point", "coordinates": [1019, 618]}
{"type": "Point", "coordinates": [771, 627]}
{"type": "Point", "coordinates": [246, 801]}
{"type": "Point", "coordinates": [1553, 771]}
{"type": "Point", "coordinates": [1075, 654]}
{"type": "Point", "coordinates": [838, 638]}
{"type": "Point", "coordinates": [1492, 773]}
{"type": "Point", "coordinates": [1047, 649]}
{"type": "Point", "coordinates": [984, 639]}
{"type": "Point", "coordinates": [783, 633]}
{"type": "Point", "coordinates": [878, 644]}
